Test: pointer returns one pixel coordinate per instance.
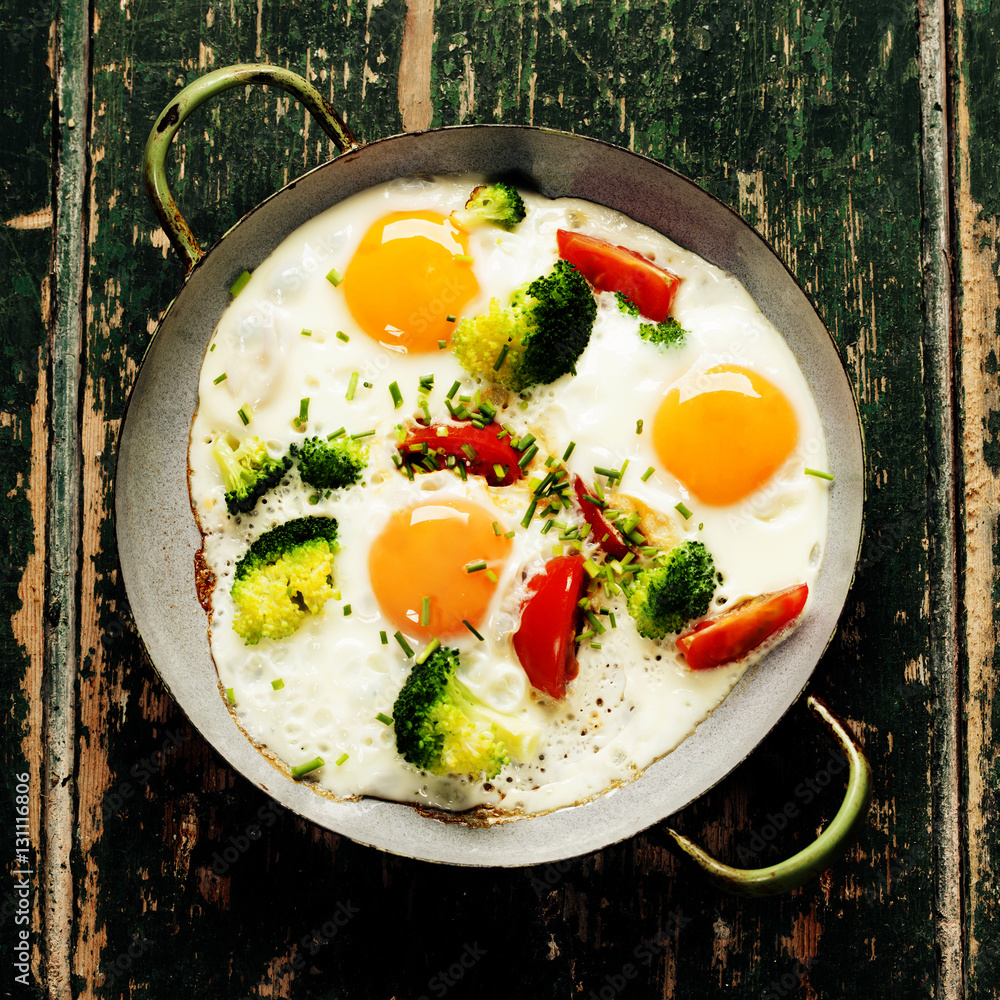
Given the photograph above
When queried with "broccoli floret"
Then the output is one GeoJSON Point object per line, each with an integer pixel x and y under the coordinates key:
{"type": "Point", "coordinates": [668, 595]}
{"type": "Point", "coordinates": [669, 333]}
{"type": "Point", "coordinates": [491, 204]}
{"type": "Point", "coordinates": [626, 305]}
{"type": "Point", "coordinates": [330, 465]}
{"type": "Point", "coordinates": [284, 575]}
{"type": "Point", "coordinates": [443, 728]}
{"type": "Point", "coordinates": [537, 338]}
{"type": "Point", "coordinates": [248, 472]}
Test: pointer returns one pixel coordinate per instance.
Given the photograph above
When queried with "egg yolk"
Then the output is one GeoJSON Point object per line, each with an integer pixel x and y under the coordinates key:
{"type": "Point", "coordinates": [423, 552]}
{"type": "Point", "coordinates": [724, 433]}
{"type": "Point", "coordinates": [405, 280]}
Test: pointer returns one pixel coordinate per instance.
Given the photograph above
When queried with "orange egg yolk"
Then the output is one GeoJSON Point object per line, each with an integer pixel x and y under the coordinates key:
{"type": "Point", "coordinates": [423, 552]}
{"type": "Point", "coordinates": [405, 280]}
{"type": "Point", "coordinates": [724, 433]}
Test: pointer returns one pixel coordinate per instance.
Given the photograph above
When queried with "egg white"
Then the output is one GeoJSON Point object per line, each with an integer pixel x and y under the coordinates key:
{"type": "Point", "coordinates": [634, 700]}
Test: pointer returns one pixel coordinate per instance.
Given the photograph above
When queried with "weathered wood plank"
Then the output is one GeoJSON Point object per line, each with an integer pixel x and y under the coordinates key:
{"type": "Point", "coordinates": [25, 262]}
{"type": "Point", "coordinates": [977, 224]}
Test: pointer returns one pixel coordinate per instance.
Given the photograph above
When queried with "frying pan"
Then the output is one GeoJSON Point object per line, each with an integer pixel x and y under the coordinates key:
{"type": "Point", "coordinates": [158, 536]}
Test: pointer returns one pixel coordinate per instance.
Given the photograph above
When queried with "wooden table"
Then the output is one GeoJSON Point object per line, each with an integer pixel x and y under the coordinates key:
{"type": "Point", "coordinates": [860, 139]}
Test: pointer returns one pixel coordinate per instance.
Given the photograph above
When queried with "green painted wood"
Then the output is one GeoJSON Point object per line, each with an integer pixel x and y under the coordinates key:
{"type": "Point", "coordinates": [806, 119]}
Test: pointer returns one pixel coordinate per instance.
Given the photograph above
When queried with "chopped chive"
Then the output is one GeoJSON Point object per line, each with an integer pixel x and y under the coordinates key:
{"type": "Point", "coordinates": [594, 621]}
{"type": "Point", "coordinates": [442, 344]}
{"type": "Point", "coordinates": [301, 770]}
{"type": "Point", "coordinates": [557, 550]}
{"type": "Point", "coordinates": [465, 399]}
{"type": "Point", "coordinates": [352, 386]}
{"type": "Point", "coordinates": [336, 434]}
{"type": "Point", "coordinates": [231, 696]}
{"type": "Point", "coordinates": [246, 413]}
{"type": "Point", "coordinates": [363, 434]}
{"type": "Point", "coordinates": [470, 453]}
{"type": "Point", "coordinates": [585, 635]}
{"type": "Point", "coordinates": [547, 527]}
{"type": "Point", "coordinates": [451, 392]}
{"type": "Point", "coordinates": [221, 378]}
{"type": "Point", "coordinates": [636, 537]}
{"type": "Point", "coordinates": [630, 522]}
{"type": "Point", "coordinates": [343, 336]}
{"type": "Point", "coordinates": [529, 513]}
{"type": "Point", "coordinates": [638, 427]}
{"type": "Point", "coordinates": [449, 318]}
{"type": "Point", "coordinates": [647, 473]}
{"type": "Point", "coordinates": [593, 500]}
{"type": "Point", "coordinates": [502, 433]}
{"type": "Point", "coordinates": [342, 759]}
{"type": "Point", "coordinates": [425, 611]}
{"type": "Point", "coordinates": [384, 636]}
{"type": "Point", "coordinates": [610, 473]}
{"type": "Point", "coordinates": [525, 460]}
{"type": "Point", "coordinates": [491, 576]}
{"type": "Point", "coordinates": [611, 616]}
{"type": "Point", "coordinates": [683, 510]}
{"type": "Point", "coordinates": [212, 348]}
{"type": "Point", "coordinates": [500, 471]}
{"type": "Point", "coordinates": [386, 720]}
{"type": "Point", "coordinates": [465, 258]}
{"type": "Point", "coordinates": [500, 357]}
{"type": "Point", "coordinates": [278, 684]}
{"type": "Point", "coordinates": [488, 408]}
{"type": "Point", "coordinates": [568, 451]}
{"type": "Point", "coordinates": [525, 441]}
{"type": "Point", "coordinates": [347, 610]}
{"type": "Point", "coordinates": [599, 490]}
{"type": "Point", "coordinates": [595, 645]}
{"type": "Point", "coordinates": [496, 529]}
{"type": "Point", "coordinates": [367, 385]}
{"type": "Point", "coordinates": [475, 567]}
{"type": "Point", "coordinates": [398, 636]}
{"type": "Point", "coordinates": [819, 475]}
{"type": "Point", "coordinates": [469, 626]}
{"type": "Point", "coordinates": [462, 474]}
{"type": "Point", "coordinates": [313, 499]}
{"type": "Point", "coordinates": [397, 396]}
{"type": "Point", "coordinates": [303, 412]}
{"type": "Point", "coordinates": [309, 333]}
{"type": "Point", "coordinates": [427, 650]}
{"type": "Point", "coordinates": [591, 567]}
{"type": "Point", "coordinates": [239, 284]}
{"type": "Point", "coordinates": [426, 382]}
{"type": "Point", "coordinates": [621, 471]}
{"type": "Point", "coordinates": [334, 277]}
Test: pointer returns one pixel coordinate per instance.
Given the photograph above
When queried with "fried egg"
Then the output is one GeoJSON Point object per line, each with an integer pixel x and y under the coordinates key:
{"type": "Point", "coordinates": [342, 328]}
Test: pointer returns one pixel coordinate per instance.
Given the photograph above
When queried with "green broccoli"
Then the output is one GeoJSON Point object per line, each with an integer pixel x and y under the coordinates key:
{"type": "Point", "coordinates": [667, 595]}
{"type": "Point", "coordinates": [537, 339]}
{"type": "Point", "coordinates": [491, 204]}
{"type": "Point", "coordinates": [443, 728]}
{"type": "Point", "coordinates": [330, 465]}
{"type": "Point", "coordinates": [248, 472]}
{"type": "Point", "coordinates": [284, 575]}
{"type": "Point", "coordinates": [668, 333]}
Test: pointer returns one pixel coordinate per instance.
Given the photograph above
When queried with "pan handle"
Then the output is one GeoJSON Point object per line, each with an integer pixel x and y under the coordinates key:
{"type": "Point", "coordinates": [192, 96]}
{"type": "Point", "coordinates": [822, 852]}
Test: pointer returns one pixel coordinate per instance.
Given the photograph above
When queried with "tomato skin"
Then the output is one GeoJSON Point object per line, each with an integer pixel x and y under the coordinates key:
{"type": "Point", "coordinates": [614, 545]}
{"type": "Point", "coordinates": [733, 634]}
{"type": "Point", "coordinates": [489, 449]}
{"type": "Point", "coordinates": [545, 641]}
{"type": "Point", "coordinates": [611, 268]}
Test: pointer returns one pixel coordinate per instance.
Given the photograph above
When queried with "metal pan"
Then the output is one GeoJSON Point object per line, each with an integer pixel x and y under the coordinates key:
{"type": "Point", "coordinates": [158, 536]}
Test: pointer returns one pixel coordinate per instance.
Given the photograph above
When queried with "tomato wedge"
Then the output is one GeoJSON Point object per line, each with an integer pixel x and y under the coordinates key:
{"type": "Point", "coordinates": [462, 442]}
{"type": "Point", "coordinates": [545, 641]}
{"type": "Point", "coordinates": [601, 529]}
{"type": "Point", "coordinates": [611, 268]}
{"type": "Point", "coordinates": [732, 635]}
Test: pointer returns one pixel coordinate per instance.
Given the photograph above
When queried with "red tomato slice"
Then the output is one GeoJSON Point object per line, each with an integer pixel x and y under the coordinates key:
{"type": "Point", "coordinates": [545, 641]}
{"type": "Point", "coordinates": [601, 529]}
{"type": "Point", "coordinates": [445, 439]}
{"type": "Point", "coordinates": [611, 268]}
{"type": "Point", "coordinates": [733, 634]}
